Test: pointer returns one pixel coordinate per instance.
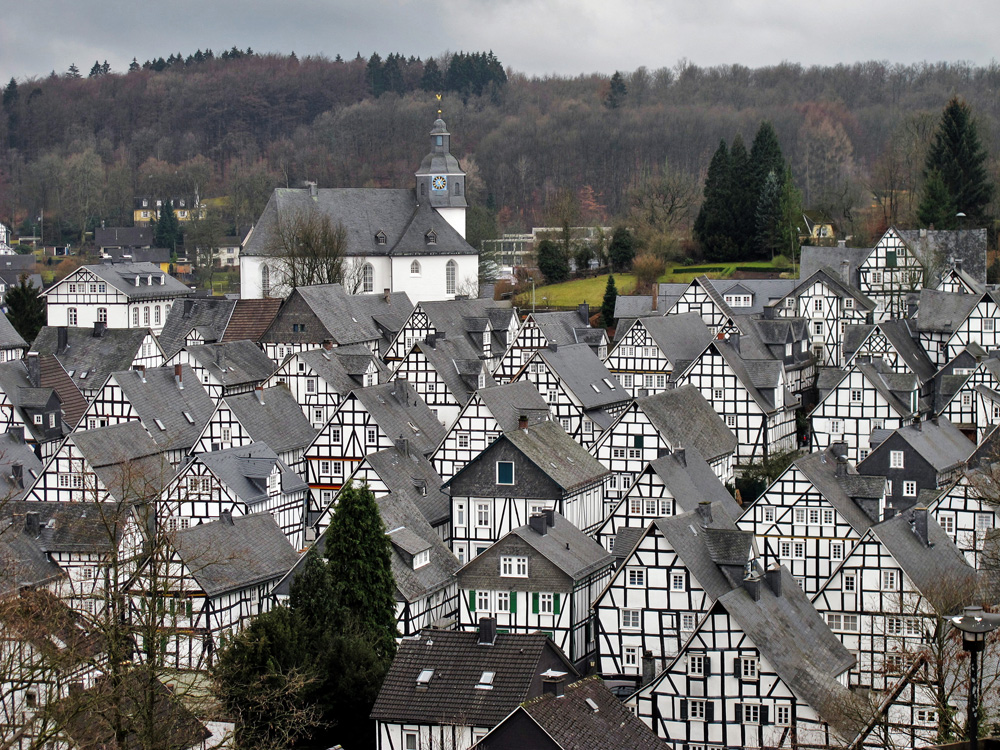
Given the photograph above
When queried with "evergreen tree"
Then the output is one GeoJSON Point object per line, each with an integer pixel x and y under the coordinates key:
{"type": "Point", "coordinates": [73, 72]}
{"type": "Point", "coordinates": [375, 75]}
{"type": "Point", "coordinates": [768, 218]}
{"type": "Point", "coordinates": [133, 66]}
{"type": "Point", "coordinates": [96, 70]}
{"type": "Point", "coordinates": [608, 305]}
{"type": "Point", "coordinates": [616, 94]}
{"type": "Point", "coordinates": [25, 309]}
{"type": "Point", "coordinates": [167, 232]}
{"type": "Point", "coordinates": [958, 156]}
{"type": "Point", "coordinates": [621, 250]}
{"type": "Point", "coordinates": [742, 202]}
{"type": "Point", "coordinates": [10, 94]}
{"type": "Point", "coordinates": [937, 207]}
{"type": "Point", "coordinates": [765, 158]}
{"type": "Point", "coordinates": [713, 228]}
{"type": "Point", "coordinates": [432, 79]}
{"type": "Point", "coordinates": [552, 262]}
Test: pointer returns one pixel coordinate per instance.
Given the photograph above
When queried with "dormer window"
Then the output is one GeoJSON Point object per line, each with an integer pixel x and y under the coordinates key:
{"type": "Point", "coordinates": [421, 559]}
{"type": "Point", "coordinates": [431, 237]}
{"type": "Point", "coordinates": [380, 238]}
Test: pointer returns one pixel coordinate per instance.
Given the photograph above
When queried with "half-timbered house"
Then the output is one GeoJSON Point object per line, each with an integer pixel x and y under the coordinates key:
{"type": "Point", "coordinates": [653, 425]}
{"type": "Point", "coordinates": [449, 688]}
{"type": "Point", "coordinates": [326, 312]}
{"type": "Point", "coordinates": [967, 512]}
{"type": "Point", "coordinates": [956, 390]}
{"type": "Point", "coordinates": [89, 356]}
{"type": "Point", "coordinates": [867, 399]}
{"type": "Point", "coordinates": [812, 515]}
{"type": "Point", "coordinates": [12, 345]}
{"type": "Point", "coordinates": [538, 330]}
{"type": "Point", "coordinates": [927, 455]}
{"type": "Point", "coordinates": [701, 297]}
{"type": "Point", "coordinates": [956, 280]}
{"type": "Point", "coordinates": [195, 321]}
{"type": "Point", "coordinates": [648, 352]}
{"type": "Point", "coordinates": [369, 420]}
{"type": "Point", "coordinates": [670, 575]}
{"type": "Point", "coordinates": [227, 369]}
{"type": "Point", "coordinates": [944, 249]}
{"type": "Point", "coordinates": [490, 412]}
{"type": "Point", "coordinates": [19, 466]}
{"type": "Point", "coordinates": [523, 472]}
{"type": "Point", "coordinates": [893, 342]}
{"type": "Point", "coordinates": [240, 481]}
{"type": "Point", "coordinates": [120, 295]}
{"type": "Point", "coordinates": [890, 272]}
{"type": "Point", "coordinates": [215, 578]}
{"type": "Point", "coordinates": [750, 394]}
{"type": "Point", "coordinates": [583, 396]}
{"type": "Point", "coordinates": [947, 323]}
{"type": "Point", "coordinates": [29, 401]}
{"type": "Point", "coordinates": [544, 576]}
{"type": "Point", "coordinates": [320, 378]}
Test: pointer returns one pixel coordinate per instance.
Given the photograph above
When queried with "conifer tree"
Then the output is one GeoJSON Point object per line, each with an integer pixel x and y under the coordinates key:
{"type": "Point", "coordinates": [25, 309]}
{"type": "Point", "coordinates": [432, 79]}
{"type": "Point", "coordinates": [167, 231]}
{"type": "Point", "coordinates": [621, 250]}
{"type": "Point", "coordinates": [713, 228]}
{"type": "Point", "coordinates": [608, 305]}
{"type": "Point", "coordinates": [742, 202]}
{"type": "Point", "coordinates": [937, 207]}
{"type": "Point", "coordinates": [960, 159]}
{"type": "Point", "coordinates": [617, 93]}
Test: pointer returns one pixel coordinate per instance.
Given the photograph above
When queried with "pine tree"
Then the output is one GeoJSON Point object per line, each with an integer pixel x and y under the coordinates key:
{"type": "Point", "coordinates": [768, 218]}
{"type": "Point", "coordinates": [742, 202]}
{"type": "Point", "coordinates": [432, 79]}
{"type": "Point", "coordinates": [958, 156]}
{"type": "Point", "coordinates": [25, 309]}
{"type": "Point", "coordinates": [608, 305]}
{"type": "Point", "coordinates": [133, 66]}
{"type": "Point", "coordinates": [937, 207]}
{"type": "Point", "coordinates": [167, 232]}
{"type": "Point", "coordinates": [552, 262]}
{"type": "Point", "coordinates": [617, 93]}
{"type": "Point", "coordinates": [73, 72]}
{"type": "Point", "coordinates": [621, 250]}
{"type": "Point", "coordinates": [713, 228]}
{"type": "Point", "coordinates": [375, 75]}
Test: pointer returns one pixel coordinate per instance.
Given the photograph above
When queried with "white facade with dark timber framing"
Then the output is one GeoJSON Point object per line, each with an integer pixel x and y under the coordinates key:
{"type": "Point", "coordinates": [962, 409]}
{"type": "Point", "coordinates": [538, 330]}
{"type": "Point", "coordinates": [949, 323]}
{"type": "Point", "coordinates": [121, 295]}
{"type": "Point", "coordinates": [702, 298]}
{"type": "Point", "coordinates": [889, 273]}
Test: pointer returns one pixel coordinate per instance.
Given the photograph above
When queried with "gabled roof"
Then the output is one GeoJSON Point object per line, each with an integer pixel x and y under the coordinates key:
{"type": "Point", "coordinates": [400, 412]}
{"type": "Point", "coordinates": [752, 374]}
{"type": "Point", "coordinates": [564, 328]}
{"type": "Point", "coordinates": [685, 419]}
{"type": "Point", "coordinates": [129, 464]}
{"type": "Point", "coordinates": [343, 367]}
{"type": "Point", "coordinates": [764, 292]}
{"type": "Point", "coordinates": [891, 386]}
{"type": "Point", "coordinates": [458, 318]}
{"type": "Point", "coordinates": [937, 246]}
{"type": "Point", "coordinates": [158, 400]}
{"type": "Point", "coordinates": [16, 385]}
{"type": "Point", "coordinates": [123, 277]}
{"type": "Point", "coordinates": [457, 363]}
{"type": "Point", "coordinates": [832, 278]}
{"type": "Point", "coordinates": [681, 338]}
{"type": "Point", "coordinates": [91, 355]}
{"type": "Point", "coordinates": [271, 416]}
{"type": "Point", "coordinates": [53, 375]}
{"type": "Point", "coordinates": [123, 237]}
{"type": "Point", "coordinates": [509, 402]}
{"type": "Point", "coordinates": [944, 312]}
{"type": "Point", "coordinates": [820, 469]}
{"type": "Point", "coordinates": [234, 363]}
{"type": "Point", "coordinates": [556, 454]}
{"type": "Point", "coordinates": [23, 563]}
{"type": "Point", "coordinates": [939, 442]}
{"type": "Point", "coordinates": [69, 526]}
{"type": "Point", "coordinates": [691, 480]}
{"type": "Point", "coordinates": [458, 662]}
{"type": "Point", "coordinates": [234, 553]}
{"type": "Point", "coordinates": [10, 338]}
{"type": "Point", "coordinates": [631, 306]}
{"type": "Point", "coordinates": [584, 375]}
{"type": "Point", "coordinates": [815, 258]}
{"type": "Point", "coordinates": [209, 313]}
{"type": "Point", "coordinates": [13, 450]}
{"type": "Point", "coordinates": [244, 470]}
{"type": "Point", "coordinates": [409, 474]}
{"type": "Point", "coordinates": [250, 319]}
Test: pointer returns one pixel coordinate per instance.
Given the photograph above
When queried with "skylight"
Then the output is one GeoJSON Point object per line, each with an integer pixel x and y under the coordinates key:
{"type": "Point", "coordinates": [486, 681]}
{"type": "Point", "coordinates": [160, 425]}
{"type": "Point", "coordinates": [594, 386]}
{"type": "Point", "coordinates": [189, 418]}
{"type": "Point", "coordinates": [593, 705]}
{"type": "Point", "coordinates": [424, 678]}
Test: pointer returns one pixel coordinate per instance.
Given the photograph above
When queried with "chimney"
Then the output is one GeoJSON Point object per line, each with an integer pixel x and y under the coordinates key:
{"type": "Point", "coordinates": [32, 524]}
{"type": "Point", "coordinates": [656, 294]}
{"type": "Point", "coordinates": [442, 335]}
{"type": "Point", "coordinates": [487, 631]}
{"type": "Point", "coordinates": [648, 667]}
{"type": "Point", "coordinates": [385, 294]}
{"type": "Point", "coordinates": [923, 232]}
{"type": "Point", "coordinates": [431, 340]}
{"type": "Point", "coordinates": [538, 524]}
{"type": "Point", "coordinates": [16, 434]}
{"type": "Point", "coordinates": [553, 346]}
{"type": "Point", "coordinates": [890, 512]}
{"type": "Point", "coordinates": [260, 394]}
{"type": "Point", "coordinates": [918, 525]}
{"type": "Point", "coordinates": [34, 369]}
{"type": "Point", "coordinates": [403, 446]}
{"type": "Point", "coordinates": [550, 517]}
{"type": "Point", "coordinates": [313, 192]}
{"type": "Point", "coordinates": [841, 470]}
{"type": "Point", "coordinates": [773, 576]}
{"type": "Point", "coordinates": [328, 344]}
{"type": "Point", "coordinates": [188, 306]}
{"type": "Point", "coordinates": [584, 311]}
{"type": "Point", "coordinates": [734, 341]}
{"type": "Point", "coordinates": [752, 584]}
{"type": "Point", "coordinates": [62, 339]}
{"type": "Point", "coordinates": [177, 377]}
{"type": "Point", "coordinates": [522, 422]}
{"type": "Point", "coordinates": [682, 458]}
{"type": "Point", "coordinates": [227, 517]}
{"type": "Point", "coordinates": [704, 510]}
{"type": "Point", "coordinates": [99, 328]}
{"type": "Point", "coordinates": [17, 475]}
{"type": "Point", "coordinates": [141, 370]}
{"type": "Point", "coordinates": [958, 264]}
{"type": "Point", "coordinates": [841, 243]}
{"type": "Point", "coordinates": [553, 683]}
{"type": "Point", "coordinates": [845, 269]}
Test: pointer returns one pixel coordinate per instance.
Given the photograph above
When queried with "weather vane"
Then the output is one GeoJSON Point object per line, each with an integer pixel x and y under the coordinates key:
{"type": "Point", "coordinates": [439, 104]}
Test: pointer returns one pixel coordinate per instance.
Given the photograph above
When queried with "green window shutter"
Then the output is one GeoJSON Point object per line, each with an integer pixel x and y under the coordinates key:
{"type": "Point", "coordinates": [890, 258]}
{"type": "Point", "coordinates": [190, 607]}
{"type": "Point", "coordinates": [534, 603]}
{"type": "Point", "coordinates": [513, 602]}
{"type": "Point", "coordinates": [472, 600]}
{"type": "Point", "coordinates": [173, 605]}
{"type": "Point", "coordinates": [555, 604]}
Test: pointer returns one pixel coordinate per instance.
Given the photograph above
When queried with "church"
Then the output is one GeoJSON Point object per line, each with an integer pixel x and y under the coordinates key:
{"type": "Point", "coordinates": [399, 240]}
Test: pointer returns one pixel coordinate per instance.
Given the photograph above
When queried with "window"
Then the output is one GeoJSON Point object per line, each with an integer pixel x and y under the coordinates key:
{"type": "Point", "coordinates": [102, 315]}
{"type": "Point", "coordinates": [751, 713]}
{"type": "Point", "coordinates": [687, 622]}
{"type": "Point", "coordinates": [731, 420]}
{"type": "Point", "coordinates": [895, 459]}
{"type": "Point", "coordinates": [450, 274]}
{"type": "Point", "coordinates": [696, 710]}
{"type": "Point", "coordinates": [717, 394]}
{"type": "Point", "coordinates": [545, 604]}
{"type": "Point", "coordinates": [696, 665]}
{"type": "Point", "coordinates": [514, 567]}
{"type": "Point", "coordinates": [630, 656]}
{"type": "Point", "coordinates": [636, 578]}
{"type": "Point", "coordinates": [814, 516]}
{"type": "Point", "coordinates": [410, 741]}
{"type": "Point", "coordinates": [617, 453]}
{"type": "Point", "coordinates": [380, 238]}
{"type": "Point", "coordinates": [503, 601]}
{"type": "Point", "coordinates": [909, 488]}
{"type": "Point", "coordinates": [505, 472]}
{"type": "Point", "coordinates": [817, 328]}
{"type": "Point", "coordinates": [988, 325]}
{"type": "Point", "coordinates": [837, 551]}
{"type": "Point", "coordinates": [748, 668]}
{"type": "Point", "coordinates": [769, 514]}
{"type": "Point", "coordinates": [850, 582]}
{"type": "Point", "coordinates": [463, 440]}
{"type": "Point", "coordinates": [460, 514]}
{"type": "Point", "coordinates": [145, 315]}
{"type": "Point", "coordinates": [156, 315]}
{"type": "Point", "coordinates": [483, 601]}
{"type": "Point", "coordinates": [836, 427]}
{"type": "Point", "coordinates": [482, 515]}
{"type": "Point", "coordinates": [677, 581]}
{"type": "Point", "coordinates": [894, 626]}
{"type": "Point", "coordinates": [783, 716]}
{"type": "Point", "coordinates": [926, 716]}
{"type": "Point", "coordinates": [71, 316]}
{"type": "Point", "coordinates": [848, 304]}
{"type": "Point", "coordinates": [890, 580]}
{"type": "Point", "coordinates": [828, 517]}
{"type": "Point", "coordinates": [966, 399]}
{"type": "Point", "coordinates": [135, 317]}
{"type": "Point", "coordinates": [37, 419]}
{"type": "Point", "coordinates": [368, 275]}
{"type": "Point", "coordinates": [631, 619]}
{"type": "Point", "coordinates": [371, 436]}
{"type": "Point", "coordinates": [818, 304]}
{"type": "Point", "coordinates": [800, 515]}
{"type": "Point", "coordinates": [894, 663]}
{"type": "Point", "coordinates": [855, 395]}
{"type": "Point", "coordinates": [947, 521]}
{"type": "Point", "coordinates": [415, 268]}
{"type": "Point", "coordinates": [838, 621]}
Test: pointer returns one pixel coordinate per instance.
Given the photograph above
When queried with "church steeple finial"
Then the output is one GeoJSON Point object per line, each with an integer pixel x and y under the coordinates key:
{"type": "Point", "coordinates": [439, 103]}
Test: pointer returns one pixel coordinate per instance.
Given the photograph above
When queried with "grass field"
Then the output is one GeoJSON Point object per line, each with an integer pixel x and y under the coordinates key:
{"type": "Point", "coordinates": [572, 293]}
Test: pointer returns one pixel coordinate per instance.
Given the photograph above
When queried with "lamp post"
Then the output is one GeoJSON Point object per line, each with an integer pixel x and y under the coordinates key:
{"type": "Point", "coordinates": [532, 280]}
{"type": "Point", "coordinates": [976, 626]}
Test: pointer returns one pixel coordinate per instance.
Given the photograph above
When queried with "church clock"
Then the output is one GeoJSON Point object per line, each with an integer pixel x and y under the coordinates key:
{"type": "Point", "coordinates": [439, 183]}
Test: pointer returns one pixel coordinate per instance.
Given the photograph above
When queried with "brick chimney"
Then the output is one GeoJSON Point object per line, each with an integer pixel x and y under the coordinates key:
{"type": "Point", "coordinates": [177, 377]}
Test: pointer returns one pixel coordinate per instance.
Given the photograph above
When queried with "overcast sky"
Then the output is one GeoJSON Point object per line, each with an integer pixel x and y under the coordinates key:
{"type": "Point", "coordinates": [537, 37]}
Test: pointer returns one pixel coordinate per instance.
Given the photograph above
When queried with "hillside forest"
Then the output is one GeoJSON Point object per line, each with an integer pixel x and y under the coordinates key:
{"type": "Point", "coordinates": [632, 147]}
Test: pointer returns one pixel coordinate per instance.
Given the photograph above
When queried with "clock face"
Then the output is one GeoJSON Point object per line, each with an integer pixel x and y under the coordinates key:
{"type": "Point", "coordinates": [439, 182]}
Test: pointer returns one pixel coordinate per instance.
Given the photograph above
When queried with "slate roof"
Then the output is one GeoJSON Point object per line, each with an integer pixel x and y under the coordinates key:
{"type": "Point", "coordinates": [628, 306]}
{"type": "Point", "coordinates": [278, 422]}
{"type": "Point", "coordinates": [244, 470]}
{"type": "Point", "coordinates": [411, 475]}
{"type": "Point", "coordinates": [13, 450]}
{"type": "Point", "coordinates": [816, 258]}
{"type": "Point", "coordinates": [23, 563]}
{"type": "Point", "coordinates": [125, 459]}
{"type": "Point", "coordinates": [69, 526]}
{"type": "Point", "coordinates": [122, 276]}
{"type": "Point", "coordinates": [508, 402]}
{"type": "Point", "coordinates": [343, 367]}
{"type": "Point", "coordinates": [584, 375]}
{"type": "Point", "coordinates": [405, 523]}
{"type": "Point", "coordinates": [556, 454]}
{"type": "Point", "coordinates": [832, 278]}
{"type": "Point", "coordinates": [944, 311]}
{"type": "Point", "coordinates": [939, 442]}
{"type": "Point", "coordinates": [892, 386]}
{"type": "Point", "coordinates": [57, 632]}
{"type": "Point", "coordinates": [14, 383]}
{"type": "Point", "coordinates": [765, 291]}
{"type": "Point", "coordinates": [691, 480]}
{"type": "Point", "coordinates": [686, 420]}
{"type": "Point", "coordinates": [457, 363]}
{"type": "Point", "coordinates": [395, 406]}
{"type": "Point", "coordinates": [10, 338]}
{"type": "Point", "coordinates": [209, 314]}
{"type": "Point", "coordinates": [937, 246]}
{"type": "Point", "coordinates": [681, 338]}
{"type": "Point", "coordinates": [97, 356]}
{"type": "Point", "coordinates": [123, 237]}
{"type": "Point", "coordinates": [159, 398]}
{"type": "Point", "coordinates": [625, 540]}
{"type": "Point", "coordinates": [458, 662]}
{"type": "Point", "coordinates": [250, 319]}
{"type": "Point", "coordinates": [363, 213]}
{"type": "Point", "coordinates": [234, 363]}
{"type": "Point", "coordinates": [564, 328]}
{"type": "Point", "coordinates": [572, 722]}
{"type": "Point", "coordinates": [458, 318]}
{"type": "Point", "coordinates": [243, 551]}
{"type": "Point", "coordinates": [820, 468]}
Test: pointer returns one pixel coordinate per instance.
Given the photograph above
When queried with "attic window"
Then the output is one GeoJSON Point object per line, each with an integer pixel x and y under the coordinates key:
{"type": "Point", "coordinates": [421, 559]}
{"type": "Point", "coordinates": [84, 374]}
{"type": "Point", "coordinates": [424, 678]}
{"type": "Point", "coordinates": [608, 384]}
{"type": "Point", "coordinates": [594, 386]}
{"type": "Point", "coordinates": [380, 238]}
{"type": "Point", "coordinates": [431, 237]}
{"type": "Point", "coordinates": [188, 417]}
{"type": "Point", "coordinates": [486, 681]}
{"type": "Point", "coordinates": [160, 425]}
{"type": "Point", "coordinates": [593, 705]}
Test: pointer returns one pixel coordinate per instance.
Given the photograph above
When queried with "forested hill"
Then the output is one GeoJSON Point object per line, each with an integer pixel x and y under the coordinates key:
{"type": "Point", "coordinates": [80, 148]}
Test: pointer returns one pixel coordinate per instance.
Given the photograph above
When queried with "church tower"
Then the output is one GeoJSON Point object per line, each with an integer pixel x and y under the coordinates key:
{"type": "Point", "coordinates": [441, 181]}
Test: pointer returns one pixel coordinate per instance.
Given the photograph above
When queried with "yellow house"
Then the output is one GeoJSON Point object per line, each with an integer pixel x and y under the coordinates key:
{"type": "Point", "coordinates": [147, 210]}
{"type": "Point", "coordinates": [819, 228]}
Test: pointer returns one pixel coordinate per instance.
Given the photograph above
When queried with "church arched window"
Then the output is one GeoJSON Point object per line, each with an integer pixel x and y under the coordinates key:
{"type": "Point", "coordinates": [265, 281]}
{"type": "Point", "coordinates": [415, 268]}
{"type": "Point", "coordinates": [367, 278]}
{"type": "Point", "coordinates": [450, 275]}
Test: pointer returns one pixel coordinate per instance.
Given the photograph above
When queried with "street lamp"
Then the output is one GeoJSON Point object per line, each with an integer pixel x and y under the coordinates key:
{"type": "Point", "coordinates": [976, 626]}
{"type": "Point", "coordinates": [532, 280]}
